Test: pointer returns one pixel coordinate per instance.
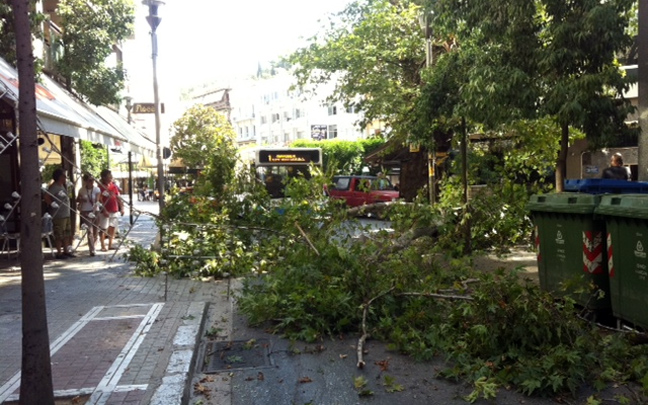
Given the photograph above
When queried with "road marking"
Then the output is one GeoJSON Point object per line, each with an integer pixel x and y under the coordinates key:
{"type": "Point", "coordinates": [109, 383]}
{"type": "Point", "coordinates": [114, 373]}
{"type": "Point", "coordinates": [14, 383]}
{"type": "Point", "coordinates": [88, 391]}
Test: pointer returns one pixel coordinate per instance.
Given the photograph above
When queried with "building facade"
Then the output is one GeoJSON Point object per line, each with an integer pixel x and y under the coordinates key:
{"type": "Point", "coordinates": [270, 112]}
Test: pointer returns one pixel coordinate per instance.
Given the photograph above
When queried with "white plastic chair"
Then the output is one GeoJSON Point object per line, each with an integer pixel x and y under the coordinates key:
{"type": "Point", "coordinates": [6, 238]}
{"type": "Point", "coordinates": [47, 230]}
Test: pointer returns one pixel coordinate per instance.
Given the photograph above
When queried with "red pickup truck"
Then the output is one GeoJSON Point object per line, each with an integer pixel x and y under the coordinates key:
{"type": "Point", "coordinates": [360, 190]}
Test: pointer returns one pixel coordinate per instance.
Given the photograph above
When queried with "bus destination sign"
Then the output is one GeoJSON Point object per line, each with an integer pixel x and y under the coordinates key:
{"type": "Point", "coordinates": [286, 158]}
{"type": "Point", "coordinates": [292, 156]}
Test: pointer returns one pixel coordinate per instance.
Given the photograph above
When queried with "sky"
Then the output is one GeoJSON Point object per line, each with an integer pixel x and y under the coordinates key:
{"type": "Point", "coordinates": [208, 40]}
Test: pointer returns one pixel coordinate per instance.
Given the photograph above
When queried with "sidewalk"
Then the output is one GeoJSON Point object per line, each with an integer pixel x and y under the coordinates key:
{"type": "Point", "coordinates": [116, 338]}
{"type": "Point", "coordinates": [121, 339]}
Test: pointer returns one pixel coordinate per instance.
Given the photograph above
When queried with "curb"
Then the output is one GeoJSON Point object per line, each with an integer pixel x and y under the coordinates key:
{"type": "Point", "coordinates": [176, 381]}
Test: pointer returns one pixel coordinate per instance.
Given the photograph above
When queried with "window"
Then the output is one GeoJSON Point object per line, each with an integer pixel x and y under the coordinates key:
{"type": "Point", "coordinates": [298, 113]}
{"type": "Point", "coordinates": [352, 109]}
{"type": "Point", "coordinates": [264, 120]}
{"type": "Point", "coordinates": [342, 183]}
{"type": "Point", "coordinates": [332, 131]}
{"type": "Point", "coordinates": [332, 110]}
{"type": "Point", "coordinates": [276, 117]}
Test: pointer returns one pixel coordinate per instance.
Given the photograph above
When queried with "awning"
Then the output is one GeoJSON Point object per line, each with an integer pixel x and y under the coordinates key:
{"type": "Point", "coordinates": [59, 113]}
{"type": "Point", "coordinates": [137, 142]}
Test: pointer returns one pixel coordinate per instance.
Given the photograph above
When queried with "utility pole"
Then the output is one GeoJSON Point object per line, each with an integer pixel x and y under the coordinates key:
{"type": "Point", "coordinates": [129, 107]}
{"type": "Point", "coordinates": [154, 20]}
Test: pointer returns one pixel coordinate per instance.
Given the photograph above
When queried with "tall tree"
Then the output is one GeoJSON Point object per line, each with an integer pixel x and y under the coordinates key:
{"type": "Point", "coordinates": [373, 51]}
{"type": "Point", "coordinates": [7, 33]}
{"type": "Point", "coordinates": [36, 379]}
{"type": "Point", "coordinates": [90, 29]}
{"type": "Point", "coordinates": [543, 58]}
{"type": "Point", "coordinates": [93, 158]}
{"type": "Point", "coordinates": [204, 139]}
{"type": "Point", "coordinates": [583, 83]}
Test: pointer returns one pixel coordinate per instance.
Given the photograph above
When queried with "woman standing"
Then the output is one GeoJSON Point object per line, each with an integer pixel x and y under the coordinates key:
{"type": "Point", "coordinates": [87, 204]}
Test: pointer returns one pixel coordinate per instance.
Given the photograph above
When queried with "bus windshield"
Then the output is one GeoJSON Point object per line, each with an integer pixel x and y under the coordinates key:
{"type": "Point", "coordinates": [275, 166]}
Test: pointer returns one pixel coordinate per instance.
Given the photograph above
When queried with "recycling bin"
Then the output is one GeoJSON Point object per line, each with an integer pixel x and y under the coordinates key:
{"type": "Point", "coordinates": [606, 186]}
{"type": "Point", "coordinates": [626, 218]}
{"type": "Point", "coordinates": [571, 248]}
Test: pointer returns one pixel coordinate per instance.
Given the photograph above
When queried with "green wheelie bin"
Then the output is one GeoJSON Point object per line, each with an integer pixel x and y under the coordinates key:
{"type": "Point", "coordinates": [626, 218]}
{"type": "Point", "coordinates": [571, 248]}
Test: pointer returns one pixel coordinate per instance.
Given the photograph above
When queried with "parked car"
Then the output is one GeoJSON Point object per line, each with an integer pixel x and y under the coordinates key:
{"type": "Point", "coordinates": [360, 190]}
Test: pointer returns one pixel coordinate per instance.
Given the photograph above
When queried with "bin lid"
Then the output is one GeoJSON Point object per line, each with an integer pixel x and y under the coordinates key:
{"type": "Point", "coordinates": [606, 186]}
{"type": "Point", "coordinates": [624, 205]}
{"type": "Point", "coordinates": [575, 203]}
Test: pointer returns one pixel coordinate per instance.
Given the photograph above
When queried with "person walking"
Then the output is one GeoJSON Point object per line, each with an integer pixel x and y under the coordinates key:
{"type": "Point", "coordinates": [111, 205]}
{"type": "Point", "coordinates": [87, 204]}
{"type": "Point", "coordinates": [616, 171]}
{"type": "Point", "coordinates": [58, 202]}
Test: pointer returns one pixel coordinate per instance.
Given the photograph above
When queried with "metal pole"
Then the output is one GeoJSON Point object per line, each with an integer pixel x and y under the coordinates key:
{"type": "Point", "coordinates": [464, 181]}
{"type": "Point", "coordinates": [129, 106]}
{"type": "Point", "coordinates": [130, 184]}
{"type": "Point", "coordinates": [431, 155]}
{"type": "Point", "coordinates": [154, 20]}
{"type": "Point", "coordinates": [160, 162]}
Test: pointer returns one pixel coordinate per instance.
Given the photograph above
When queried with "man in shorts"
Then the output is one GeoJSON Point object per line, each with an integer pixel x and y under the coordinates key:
{"type": "Point", "coordinates": [111, 207]}
{"type": "Point", "coordinates": [58, 202]}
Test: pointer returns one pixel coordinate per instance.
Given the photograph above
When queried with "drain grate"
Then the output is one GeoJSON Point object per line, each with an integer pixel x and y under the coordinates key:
{"type": "Point", "coordinates": [236, 355]}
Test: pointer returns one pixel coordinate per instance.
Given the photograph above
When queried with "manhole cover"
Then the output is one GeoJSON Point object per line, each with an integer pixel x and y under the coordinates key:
{"type": "Point", "coordinates": [236, 355]}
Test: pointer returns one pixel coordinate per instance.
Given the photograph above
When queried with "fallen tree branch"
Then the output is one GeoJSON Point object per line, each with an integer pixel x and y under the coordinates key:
{"type": "Point", "coordinates": [365, 308]}
{"type": "Point", "coordinates": [464, 284]}
{"type": "Point", "coordinates": [441, 296]}
{"type": "Point", "coordinates": [469, 281]}
{"type": "Point", "coordinates": [307, 239]}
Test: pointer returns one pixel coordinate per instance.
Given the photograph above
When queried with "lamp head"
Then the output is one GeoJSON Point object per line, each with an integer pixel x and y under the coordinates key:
{"type": "Point", "coordinates": [153, 18]}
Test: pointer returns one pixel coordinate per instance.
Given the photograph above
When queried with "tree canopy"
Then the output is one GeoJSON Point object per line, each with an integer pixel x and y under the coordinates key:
{"type": "Point", "coordinates": [89, 32]}
{"type": "Point", "coordinates": [373, 50]}
{"type": "Point", "coordinates": [204, 139]}
{"type": "Point", "coordinates": [493, 63]}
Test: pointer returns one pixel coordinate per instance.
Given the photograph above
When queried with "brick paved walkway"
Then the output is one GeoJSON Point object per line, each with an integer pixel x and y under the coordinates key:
{"type": "Point", "coordinates": [113, 334]}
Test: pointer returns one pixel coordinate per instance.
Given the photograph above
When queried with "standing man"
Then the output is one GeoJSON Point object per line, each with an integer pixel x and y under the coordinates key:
{"type": "Point", "coordinates": [111, 205]}
{"type": "Point", "coordinates": [87, 204]}
{"type": "Point", "coordinates": [616, 170]}
{"type": "Point", "coordinates": [58, 201]}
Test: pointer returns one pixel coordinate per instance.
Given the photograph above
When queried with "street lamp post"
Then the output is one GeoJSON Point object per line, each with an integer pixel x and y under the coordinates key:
{"type": "Point", "coordinates": [154, 20]}
{"type": "Point", "coordinates": [129, 106]}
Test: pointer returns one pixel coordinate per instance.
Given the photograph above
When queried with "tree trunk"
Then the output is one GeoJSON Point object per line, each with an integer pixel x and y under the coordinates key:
{"type": "Point", "coordinates": [642, 42]}
{"type": "Point", "coordinates": [36, 380]}
{"type": "Point", "coordinates": [561, 164]}
{"type": "Point", "coordinates": [413, 175]}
